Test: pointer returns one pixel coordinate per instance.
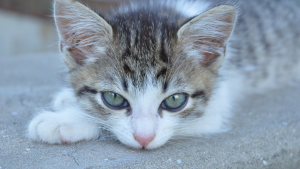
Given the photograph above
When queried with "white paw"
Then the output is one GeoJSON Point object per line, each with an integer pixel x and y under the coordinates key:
{"type": "Point", "coordinates": [61, 127]}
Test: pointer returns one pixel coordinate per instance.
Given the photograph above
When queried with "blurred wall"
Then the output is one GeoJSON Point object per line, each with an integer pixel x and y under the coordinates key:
{"type": "Point", "coordinates": [22, 34]}
{"type": "Point", "coordinates": [27, 26]}
{"type": "Point", "coordinates": [43, 8]}
{"type": "Point", "coordinates": [34, 7]}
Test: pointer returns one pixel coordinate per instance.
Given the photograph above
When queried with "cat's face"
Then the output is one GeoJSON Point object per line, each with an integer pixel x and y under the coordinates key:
{"type": "Point", "coordinates": [137, 99]}
{"type": "Point", "coordinates": [141, 75]}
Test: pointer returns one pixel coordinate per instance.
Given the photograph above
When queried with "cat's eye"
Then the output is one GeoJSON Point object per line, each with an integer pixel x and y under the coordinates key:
{"type": "Point", "coordinates": [114, 100]}
{"type": "Point", "coordinates": [175, 102]}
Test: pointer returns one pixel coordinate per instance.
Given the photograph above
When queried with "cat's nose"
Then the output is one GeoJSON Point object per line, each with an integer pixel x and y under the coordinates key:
{"type": "Point", "coordinates": [144, 140]}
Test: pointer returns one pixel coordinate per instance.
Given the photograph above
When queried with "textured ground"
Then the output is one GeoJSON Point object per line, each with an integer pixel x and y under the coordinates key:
{"type": "Point", "coordinates": [265, 131]}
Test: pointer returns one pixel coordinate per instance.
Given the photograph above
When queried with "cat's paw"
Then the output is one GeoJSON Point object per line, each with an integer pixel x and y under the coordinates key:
{"type": "Point", "coordinates": [59, 128]}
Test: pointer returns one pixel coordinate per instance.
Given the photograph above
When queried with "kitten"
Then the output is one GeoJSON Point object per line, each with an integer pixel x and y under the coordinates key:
{"type": "Point", "coordinates": [152, 71]}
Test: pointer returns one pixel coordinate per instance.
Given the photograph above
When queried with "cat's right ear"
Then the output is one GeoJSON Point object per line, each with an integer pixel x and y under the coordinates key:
{"type": "Point", "coordinates": [83, 33]}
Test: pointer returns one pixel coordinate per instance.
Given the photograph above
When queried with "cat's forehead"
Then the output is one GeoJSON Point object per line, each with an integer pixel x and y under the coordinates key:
{"type": "Point", "coordinates": [143, 46]}
{"type": "Point", "coordinates": [143, 53]}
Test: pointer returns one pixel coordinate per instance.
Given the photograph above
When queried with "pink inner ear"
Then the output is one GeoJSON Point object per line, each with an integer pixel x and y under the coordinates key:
{"type": "Point", "coordinates": [209, 48]}
{"type": "Point", "coordinates": [71, 40]}
{"type": "Point", "coordinates": [77, 55]}
{"type": "Point", "coordinates": [77, 47]}
{"type": "Point", "coordinates": [209, 58]}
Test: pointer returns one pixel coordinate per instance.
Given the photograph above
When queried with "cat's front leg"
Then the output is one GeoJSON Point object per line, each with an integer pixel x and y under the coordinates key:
{"type": "Point", "coordinates": [65, 126]}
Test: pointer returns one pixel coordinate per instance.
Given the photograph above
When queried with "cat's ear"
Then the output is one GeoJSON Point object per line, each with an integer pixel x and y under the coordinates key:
{"type": "Point", "coordinates": [206, 35]}
{"type": "Point", "coordinates": [83, 33]}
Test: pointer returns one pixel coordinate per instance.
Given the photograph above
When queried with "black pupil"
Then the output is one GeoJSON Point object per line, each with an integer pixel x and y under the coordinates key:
{"type": "Point", "coordinates": [173, 97]}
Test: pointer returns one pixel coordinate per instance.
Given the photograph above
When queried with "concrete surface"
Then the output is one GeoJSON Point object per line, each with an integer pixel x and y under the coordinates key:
{"type": "Point", "coordinates": [265, 129]}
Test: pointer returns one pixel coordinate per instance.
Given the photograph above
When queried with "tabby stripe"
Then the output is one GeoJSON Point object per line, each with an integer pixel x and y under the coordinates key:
{"type": "Point", "coordinates": [86, 89]}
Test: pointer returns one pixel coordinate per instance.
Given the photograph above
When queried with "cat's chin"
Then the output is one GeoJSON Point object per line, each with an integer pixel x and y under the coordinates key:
{"type": "Point", "coordinates": [155, 145]}
{"type": "Point", "coordinates": [152, 145]}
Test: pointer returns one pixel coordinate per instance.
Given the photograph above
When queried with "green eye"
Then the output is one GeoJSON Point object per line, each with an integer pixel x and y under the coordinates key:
{"type": "Point", "coordinates": [175, 102]}
{"type": "Point", "coordinates": [114, 100]}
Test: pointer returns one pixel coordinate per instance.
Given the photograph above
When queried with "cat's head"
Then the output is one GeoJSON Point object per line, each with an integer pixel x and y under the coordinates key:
{"type": "Point", "coordinates": [146, 76]}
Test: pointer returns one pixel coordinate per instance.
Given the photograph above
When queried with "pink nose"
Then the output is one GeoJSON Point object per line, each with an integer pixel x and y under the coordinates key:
{"type": "Point", "coordinates": [144, 140]}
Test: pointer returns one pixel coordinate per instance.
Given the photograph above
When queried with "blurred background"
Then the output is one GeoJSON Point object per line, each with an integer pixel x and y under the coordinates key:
{"type": "Point", "coordinates": [27, 26]}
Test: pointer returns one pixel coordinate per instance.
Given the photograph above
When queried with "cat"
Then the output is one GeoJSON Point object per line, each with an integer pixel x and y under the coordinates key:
{"type": "Point", "coordinates": [151, 71]}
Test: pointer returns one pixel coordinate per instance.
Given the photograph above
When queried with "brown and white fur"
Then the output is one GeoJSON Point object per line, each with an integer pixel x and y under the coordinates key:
{"type": "Point", "coordinates": [148, 51]}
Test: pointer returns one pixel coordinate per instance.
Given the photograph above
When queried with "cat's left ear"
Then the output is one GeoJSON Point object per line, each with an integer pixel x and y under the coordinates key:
{"type": "Point", "coordinates": [83, 33]}
{"type": "Point", "coordinates": [206, 35]}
